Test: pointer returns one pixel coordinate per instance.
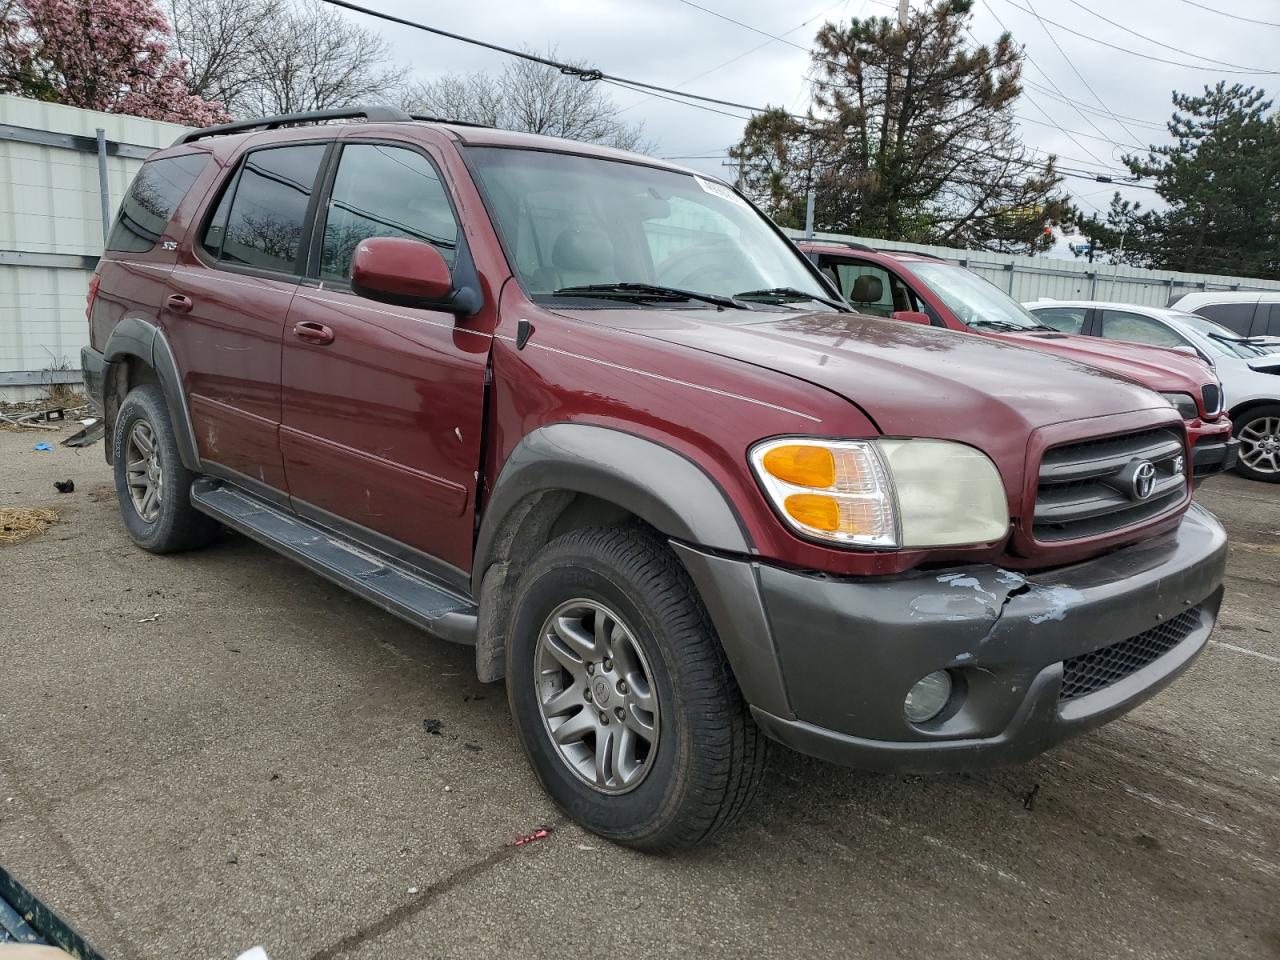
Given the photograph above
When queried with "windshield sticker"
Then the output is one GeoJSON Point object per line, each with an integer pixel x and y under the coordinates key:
{"type": "Point", "coordinates": [721, 191]}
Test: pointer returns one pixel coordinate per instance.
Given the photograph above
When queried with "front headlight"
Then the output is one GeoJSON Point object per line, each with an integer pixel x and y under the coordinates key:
{"type": "Point", "coordinates": [1184, 403]}
{"type": "Point", "coordinates": [883, 493]}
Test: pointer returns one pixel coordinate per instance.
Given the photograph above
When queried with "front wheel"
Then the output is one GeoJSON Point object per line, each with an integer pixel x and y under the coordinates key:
{"type": "Point", "coordinates": [1258, 431]}
{"type": "Point", "coordinates": [622, 696]}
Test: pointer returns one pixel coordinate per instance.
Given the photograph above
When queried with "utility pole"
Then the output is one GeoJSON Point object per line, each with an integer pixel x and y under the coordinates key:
{"type": "Point", "coordinates": [904, 7]}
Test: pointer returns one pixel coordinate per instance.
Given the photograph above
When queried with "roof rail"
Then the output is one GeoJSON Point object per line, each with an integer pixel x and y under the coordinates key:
{"type": "Point", "coordinates": [428, 118]}
{"type": "Point", "coordinates": [852, 244]}
{"type": "Point", "coordinates": [374, 114]}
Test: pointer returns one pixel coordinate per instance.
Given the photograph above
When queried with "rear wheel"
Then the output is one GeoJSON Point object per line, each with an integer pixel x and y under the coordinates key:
{"type": "Point", "coordinates": [152, 484]}
{"type": "Point", "coordinates": [1258, 431]}
{"type": "Point", "coordinates": [622, 696]}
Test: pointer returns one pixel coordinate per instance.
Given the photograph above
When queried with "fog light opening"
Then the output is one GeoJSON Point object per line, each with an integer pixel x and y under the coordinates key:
{"type": "Point", "coordinates": [928, 697]}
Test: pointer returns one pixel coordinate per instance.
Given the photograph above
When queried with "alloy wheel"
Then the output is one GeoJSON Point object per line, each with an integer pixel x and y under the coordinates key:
{"type": "Point", "coordinates": [1260, 444]}
{"type": "Point", "coordinates": [143, 472]}
{"type": "Point", "coordinates": [595, 690]}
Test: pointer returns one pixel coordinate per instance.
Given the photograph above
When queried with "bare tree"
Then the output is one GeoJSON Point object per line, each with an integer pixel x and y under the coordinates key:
{"type": "Point", "coordinates": [532, 98]}
{"type": "Point", "coordinates": [263, 57]}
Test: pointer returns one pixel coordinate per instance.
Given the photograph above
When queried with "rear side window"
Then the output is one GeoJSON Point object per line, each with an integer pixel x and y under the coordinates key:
{"type": "Point", "coordinates": [383, 191]}
{"type": "Point", "coordinates": [260, 217]}
{"type": "Point", "coordinates": [1272, 327]}
{"type": "Point", "coordinates": [156, 192]}
{"type": "Point", "coordinates": [1062, 319]}
{"type": "Point", "coordinates": [1233, 316]}
{"type": "Point", "coordinates": [1119, 325]}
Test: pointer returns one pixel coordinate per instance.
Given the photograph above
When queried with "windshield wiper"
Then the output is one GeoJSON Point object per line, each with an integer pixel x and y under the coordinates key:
{"type": "Point", "coordinates": [788, 294]}
{"type": "Point", "coordinates": [1003, 325]}
{"type": "Point", "coordinates": [1249, 341]}
{"type": "Point", "coordinates": [646, 291]}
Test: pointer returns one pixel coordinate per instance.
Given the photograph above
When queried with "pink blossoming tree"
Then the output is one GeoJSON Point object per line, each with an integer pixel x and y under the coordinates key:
{"type": "Point", "coordinates": [110, 55]}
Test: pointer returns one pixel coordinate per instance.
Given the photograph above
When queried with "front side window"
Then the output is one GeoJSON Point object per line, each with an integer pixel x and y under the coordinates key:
{"type": "Point", "coordinates": [383, 191]}
{"type": "Point", "coordinates": [975, 301]}
{"type": "Point", "coordinates": [869, 287]}
{"type": "Point", "coordinates": [1062, 319]}
{"type": "Point", "coordinates": [259, 220]}
{"type": "Point", "coordinates": [569, 221]}
{"type": "Point", "coordinates": [1122, 325]}
{"type": "Point", "coordinates": [155, 193]}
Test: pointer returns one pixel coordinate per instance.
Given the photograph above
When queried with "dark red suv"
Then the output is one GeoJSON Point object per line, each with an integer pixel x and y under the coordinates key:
{"type": "Point", "coordinates": [594, 415]}
{"type": "Point", "coordinates": [924, 289]}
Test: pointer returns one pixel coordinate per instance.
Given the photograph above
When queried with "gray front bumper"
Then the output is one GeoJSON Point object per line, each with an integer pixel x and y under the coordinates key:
{"type": "Point", "coordinates": [847, 651]}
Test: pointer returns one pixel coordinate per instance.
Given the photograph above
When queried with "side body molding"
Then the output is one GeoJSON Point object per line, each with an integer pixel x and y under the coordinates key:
{"type": "Point", "coordinates": [662, 487]}
{"type": "Point", "coordinates": [134, 337]}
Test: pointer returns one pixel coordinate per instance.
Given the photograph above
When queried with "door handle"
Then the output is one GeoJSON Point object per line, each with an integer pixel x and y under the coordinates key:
{"type": "Point", "coordinates": [178, 303]}
{"type": "Point", "coordinates": [312, 332]}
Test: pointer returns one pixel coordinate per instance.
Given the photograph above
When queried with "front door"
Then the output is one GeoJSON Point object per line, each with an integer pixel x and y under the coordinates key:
{"type": "Point", "coordinates": [383, 405]}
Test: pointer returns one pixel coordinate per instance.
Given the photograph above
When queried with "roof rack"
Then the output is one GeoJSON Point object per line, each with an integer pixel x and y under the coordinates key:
{"type": "Point", "coordinates": [373, 114]}
{"type": "Point", "coordinates": [851, 244]}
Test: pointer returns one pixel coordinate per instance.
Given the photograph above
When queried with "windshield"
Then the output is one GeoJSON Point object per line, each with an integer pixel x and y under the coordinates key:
{"type": "Point", "coordinates": [975, 301]}
{"type": "Point", "coordinates": [1213, 332]}
{"type": "Point", "coordinates": [569, 222]}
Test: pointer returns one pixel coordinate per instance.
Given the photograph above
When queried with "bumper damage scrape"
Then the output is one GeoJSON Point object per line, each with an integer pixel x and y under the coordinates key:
{"type": "Point", "coordinates": [851, 649]}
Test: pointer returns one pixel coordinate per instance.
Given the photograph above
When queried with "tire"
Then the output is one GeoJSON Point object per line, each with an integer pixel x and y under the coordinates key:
{"type": "Point", "coordinates": [705, 756]}
{"type": "Point", "coordinates": [1258, 431]}
{"type": "Point", "coordinates": [168, 523]}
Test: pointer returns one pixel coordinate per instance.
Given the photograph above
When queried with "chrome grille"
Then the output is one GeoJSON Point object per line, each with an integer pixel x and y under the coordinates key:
{"type": "Point", "coordinates": [1089, 488]}
{"type": "Point", "coordinates": [1212, 395]}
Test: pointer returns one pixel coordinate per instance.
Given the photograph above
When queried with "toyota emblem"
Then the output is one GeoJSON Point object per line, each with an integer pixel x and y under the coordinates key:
{"type": "Point", "coordinates": [1144, 479]}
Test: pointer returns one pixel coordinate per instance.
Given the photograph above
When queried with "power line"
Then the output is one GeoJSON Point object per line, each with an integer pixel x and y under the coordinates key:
{"type": "Point", "coordinates": [569, 69]}
{"type": "Point", "coordinates": [1076, 71]}
{"type": "Point", "coordinates": [1232, 16]}
{"type": "Point", "coordinates": [1048, 92]}
{"type": "Point", "coordinates": [1135, 53]}
{"type": "Point", "coordinates": [1143, 36]}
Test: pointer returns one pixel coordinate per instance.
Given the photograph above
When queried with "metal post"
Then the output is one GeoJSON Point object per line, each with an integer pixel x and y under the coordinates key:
{"type": "Point", "coordinates": [104, 192]}
{"type": "Point", "coordinates": [808, 214]}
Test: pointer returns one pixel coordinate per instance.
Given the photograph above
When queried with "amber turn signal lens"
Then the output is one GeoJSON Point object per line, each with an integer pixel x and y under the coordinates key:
{"type": "Point", "coordinates": [814, 510]}
{"type": "Point", "coordinates": [802, 465]}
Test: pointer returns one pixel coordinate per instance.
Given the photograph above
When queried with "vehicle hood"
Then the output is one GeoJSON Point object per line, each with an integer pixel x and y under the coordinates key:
{"type": "Point", "coordinates": [911, 380]}
{"type": "Point", "coordinates": [1161, 369]}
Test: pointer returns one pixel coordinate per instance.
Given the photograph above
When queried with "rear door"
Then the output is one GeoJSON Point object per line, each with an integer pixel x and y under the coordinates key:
{"type": "Point", "coordinates": [227, 304]}
{"type": "Point", "coordinates": [383, 404]}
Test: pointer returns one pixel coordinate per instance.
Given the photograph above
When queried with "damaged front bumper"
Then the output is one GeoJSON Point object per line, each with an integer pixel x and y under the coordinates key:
{"type": "Point", "coordinates": [1033, 659]}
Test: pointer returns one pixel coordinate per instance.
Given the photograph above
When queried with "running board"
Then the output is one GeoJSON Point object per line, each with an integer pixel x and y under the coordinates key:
{"type": "Point", "coordinates": [395, 588]}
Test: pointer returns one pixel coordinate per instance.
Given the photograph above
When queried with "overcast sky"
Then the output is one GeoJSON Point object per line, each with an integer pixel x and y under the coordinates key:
{"type": "Point", "coordinates": [670, 43]}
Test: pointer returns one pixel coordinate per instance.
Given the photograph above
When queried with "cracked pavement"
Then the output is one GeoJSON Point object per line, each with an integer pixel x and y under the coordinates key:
{"type": "Point", "coordinates": [252, 767]}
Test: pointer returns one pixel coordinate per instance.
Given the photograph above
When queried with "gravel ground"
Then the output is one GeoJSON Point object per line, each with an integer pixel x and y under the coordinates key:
{"type": "Point", "coordinates": [204, 752]}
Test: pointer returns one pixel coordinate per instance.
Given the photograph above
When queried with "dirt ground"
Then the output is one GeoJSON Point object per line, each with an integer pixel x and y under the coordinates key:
{"type": "Point", "coordinates": [204, 752]}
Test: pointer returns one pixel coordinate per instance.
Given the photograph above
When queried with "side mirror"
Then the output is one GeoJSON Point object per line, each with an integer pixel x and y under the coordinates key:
{"type": "Point", "coordinates": [400, 270]}
{"type": "Point", "coordinates": [911, 316]}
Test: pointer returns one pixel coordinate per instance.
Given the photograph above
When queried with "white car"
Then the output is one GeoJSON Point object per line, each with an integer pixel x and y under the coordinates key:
{"type": "Point", "coordinates": [1250, 313]}
{"type": "Point", "coordinates": [1249, 367]}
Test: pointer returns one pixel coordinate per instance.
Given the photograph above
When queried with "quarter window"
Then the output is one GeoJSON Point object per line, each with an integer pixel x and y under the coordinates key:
{"type": "Point", "coordinates": [1121, 325]}
{"type": "Point", "coordinates": [260, 218]}
{"type": "Point", "coordinates": [383, 191]}
{"type": "Point", "coordinates": [156, 192]}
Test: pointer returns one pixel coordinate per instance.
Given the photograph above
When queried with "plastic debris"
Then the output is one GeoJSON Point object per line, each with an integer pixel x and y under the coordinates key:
{"type": "Point", "coordinates": [413, 890]}
{"type": "Point", "coordinates": [151, 619]}
{"type": "Point", "coordinates": [1029, 801]}
{"type": "Point", "coordinates": [540, 834]}
{"type": "Point", "coordinates": [64, 486]}
{"type": "Point", "coordinates": [434, 727]}
{"type": "Point", "coordinates": [254, 953]}
{"type": "Point", "coordinates": [44, 447]}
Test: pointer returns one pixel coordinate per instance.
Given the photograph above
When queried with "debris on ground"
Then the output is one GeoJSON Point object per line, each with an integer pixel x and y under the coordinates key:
{"type": "Point", "coordinates": [93, 431]}
{"type": "Point", "coordinates": [473, 747]}
{"type": "Point", "coordinates": [151, 619]}
{"type": "Point", "coordinates": [1029, 801]}
{"type": "Point", "coordinates": [253, 953]}
{"type": "Point", "coordinates": [540, 834]}
{"type": "Point", "coordinates": [43, 447]}
{"type": "Point", "coordinates": [64, 486]}
{"type": "Point", "coordinates": [19, 523]}
{"type": "Point", "coordinates": [434, 727]}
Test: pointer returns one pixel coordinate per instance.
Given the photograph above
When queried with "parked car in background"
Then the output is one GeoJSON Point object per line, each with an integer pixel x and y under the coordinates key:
{"type": "Point", "coordinates": [924, 289]}
{"type": "Point", "coordinates": [594, 415]}
{"type": "Point", "coordinates": [1249, 313]}
{"type": "Point", "coordinates": [1249, 367]}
